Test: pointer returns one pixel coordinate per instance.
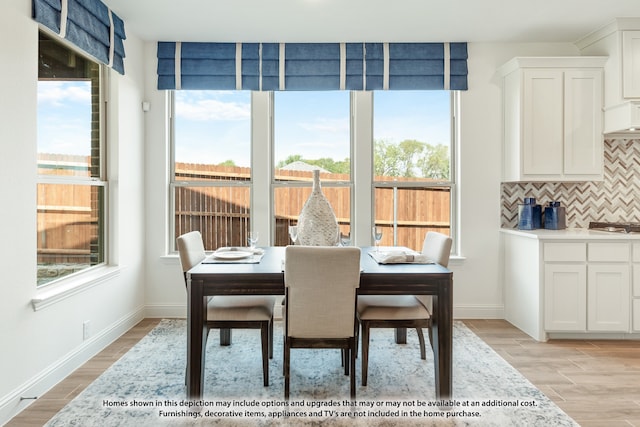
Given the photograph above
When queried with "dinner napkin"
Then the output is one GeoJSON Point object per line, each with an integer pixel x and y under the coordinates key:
{"type": "Point", "coordinates": [401, 257]}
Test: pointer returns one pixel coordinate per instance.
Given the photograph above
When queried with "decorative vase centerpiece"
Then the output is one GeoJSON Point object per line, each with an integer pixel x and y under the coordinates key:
{"type": "Point", "coordinates": [317, 224]}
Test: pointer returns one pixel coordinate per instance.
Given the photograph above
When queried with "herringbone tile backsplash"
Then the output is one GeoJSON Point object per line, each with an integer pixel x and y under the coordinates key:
{"type": "Point", "coordinates": [617, 198]}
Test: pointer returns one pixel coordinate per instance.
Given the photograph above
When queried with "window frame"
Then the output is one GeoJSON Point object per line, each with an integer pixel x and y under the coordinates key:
{"type": "Point", "coordinates": [263, 184]}
{"type": "Point", "coordinates": [451, 183]}
{"type": "Point", "coordinates": [90, 274]}
{"type": "Point", "coordinates": [277, 184]}
{"type": "Point", "coordinates": [174, 183]}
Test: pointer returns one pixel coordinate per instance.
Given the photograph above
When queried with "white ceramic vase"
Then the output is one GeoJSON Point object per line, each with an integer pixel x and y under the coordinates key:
{"type": "Point", "coordinates": [317, 224]}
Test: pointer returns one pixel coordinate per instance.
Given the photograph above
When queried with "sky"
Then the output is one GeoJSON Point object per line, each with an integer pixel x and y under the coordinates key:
{"type": "Point", "coordinates": [64, 117]}
{"type": "Point", "coordinates": [214, 126]}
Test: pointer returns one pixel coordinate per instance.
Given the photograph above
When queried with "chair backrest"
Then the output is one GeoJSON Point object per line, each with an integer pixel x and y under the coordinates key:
{"type": "Point", "coordinates": [321, 286]}
{"type": "Point", "coordinates": [437, 247]}
{"type": "Point", "coordinates": [191, 249]}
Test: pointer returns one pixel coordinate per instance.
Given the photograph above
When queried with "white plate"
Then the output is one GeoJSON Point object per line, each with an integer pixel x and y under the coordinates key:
{"type": "Point", "coordinates": [232, 255]}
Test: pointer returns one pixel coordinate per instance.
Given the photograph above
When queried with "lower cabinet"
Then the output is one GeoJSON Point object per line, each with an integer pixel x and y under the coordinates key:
{"type": "Point", "coordinates": [565, 297]}
{"type": "Point", "coordinates": [587, 287]}
{"type": "Point", "coordinates": [608, 290]}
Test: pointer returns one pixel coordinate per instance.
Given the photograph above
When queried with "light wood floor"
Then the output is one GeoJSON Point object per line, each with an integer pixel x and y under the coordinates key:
{"type": "Point", "coordinates": [595, 382]}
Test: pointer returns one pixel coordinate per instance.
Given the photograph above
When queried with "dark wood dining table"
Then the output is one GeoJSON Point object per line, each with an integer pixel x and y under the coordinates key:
{"type": "Point", "coordinates": [267, 278]}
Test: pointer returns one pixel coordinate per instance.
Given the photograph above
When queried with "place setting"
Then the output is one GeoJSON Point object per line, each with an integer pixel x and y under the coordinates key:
{"type": "Point", "coordinates": [395, 254]}
{"type": "Point", "coordinates": [238, 254]}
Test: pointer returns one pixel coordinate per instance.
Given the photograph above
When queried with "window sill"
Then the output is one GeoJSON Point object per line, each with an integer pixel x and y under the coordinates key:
{"type": "Point", "coordinates": [67, 288]}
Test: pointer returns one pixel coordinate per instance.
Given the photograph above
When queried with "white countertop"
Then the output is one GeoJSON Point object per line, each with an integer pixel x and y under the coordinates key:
{"type": "Point", "coordinates": [570, 234]}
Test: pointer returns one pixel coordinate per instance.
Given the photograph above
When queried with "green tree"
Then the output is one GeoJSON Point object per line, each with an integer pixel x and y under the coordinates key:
{"type": "Point", "coordinates": [340, 166]}
{"type": "Point", "coordinates": [411, 158]}
{"type": "Point", "coordinates": [229, 163]}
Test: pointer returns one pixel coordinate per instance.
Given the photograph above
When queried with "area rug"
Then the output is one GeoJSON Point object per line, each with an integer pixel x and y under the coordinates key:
{"type": "Point", "coordinates": [146, 387]}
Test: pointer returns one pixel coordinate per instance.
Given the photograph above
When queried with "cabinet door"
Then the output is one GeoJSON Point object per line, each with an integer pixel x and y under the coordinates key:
{"type": "Point", "coordinates": [542, 139]}
{"type": "Point", "coordinates": [583, 146]}
{"type": "Point", "coordinates": [631, 64]}
{"type": "Point", "coordinates": [608, 296]}
{"type": "Point", "coordinates": [565, 297]}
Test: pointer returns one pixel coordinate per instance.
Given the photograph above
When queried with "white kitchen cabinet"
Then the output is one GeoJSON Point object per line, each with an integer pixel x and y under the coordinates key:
{"type": "Point", "coordinates": [608, 297]}
{"type": "Point", "coordinates": [572, 283]}
{"type": "Point", "coordinates": [631, 64]}
{"type": "Point", "coordinates": [636, 287]}
{"type": "Point", "coordinates": [587, 293]}
{"type": "Point", "coordinates": [565, 297]}
{"type": "Point", "coordinates": [553, 119]}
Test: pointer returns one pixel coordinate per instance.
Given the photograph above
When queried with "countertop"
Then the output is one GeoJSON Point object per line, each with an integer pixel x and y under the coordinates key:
{"type": "Point", "coordinates": [571, 234]}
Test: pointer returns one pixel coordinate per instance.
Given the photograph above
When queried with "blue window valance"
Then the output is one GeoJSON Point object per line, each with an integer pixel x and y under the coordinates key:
{"type": "Point", "coordinates": [88, 24]}
{"type": "Point", "coordinates": [312, 66]}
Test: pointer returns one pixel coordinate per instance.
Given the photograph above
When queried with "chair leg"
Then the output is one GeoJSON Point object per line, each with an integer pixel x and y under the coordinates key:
{"type": "Point", "coordinates": [287, 356]}
{"type": "Point", "coordinates": [365, 352]}
{"type": "Point", "coordinates": [271, 338]}
{"type": "Point", "coordinates": [423, 354]}
{"type": "Point", "coordinates": [264, 338]}
{"type": "Point", "coordinates": [353, 352]}
{"type": "Point", "coordinates": [346, 359]}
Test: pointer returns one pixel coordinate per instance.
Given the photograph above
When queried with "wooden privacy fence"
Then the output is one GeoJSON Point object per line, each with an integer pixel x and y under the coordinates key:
{"type": "Point", "coordinates": [68, 224]}
{"type": "Point", "coordinates": [222, 213]}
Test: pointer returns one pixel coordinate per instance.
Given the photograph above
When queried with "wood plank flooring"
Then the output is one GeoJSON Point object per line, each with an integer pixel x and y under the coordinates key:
{"type": "Point", "coordinates": [595, 382]}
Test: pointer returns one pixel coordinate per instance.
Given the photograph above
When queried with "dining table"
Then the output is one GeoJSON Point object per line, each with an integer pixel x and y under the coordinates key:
{"type": "Point", "coordinates": [266, 277]}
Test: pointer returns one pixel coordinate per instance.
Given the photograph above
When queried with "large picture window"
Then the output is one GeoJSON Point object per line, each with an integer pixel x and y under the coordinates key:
{"type": "Point", "coordinates": [211, 176]}
{"type": "Point", "coordinates": [412, 176]}
{"type": "Point", "coordinates": [71, 175]}
{"type": "Point", "coordinates": [229, 154]}
{"type": "Point", "coordinates": [311, 131]}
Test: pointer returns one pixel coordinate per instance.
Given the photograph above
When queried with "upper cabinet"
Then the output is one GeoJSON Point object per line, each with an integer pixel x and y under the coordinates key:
{"type": "Point", "coordinates": [631, 64]}
{"type": "Point", "coordinates": [553, 119]}
{"type": "Point", "coordinates": [620, 41]}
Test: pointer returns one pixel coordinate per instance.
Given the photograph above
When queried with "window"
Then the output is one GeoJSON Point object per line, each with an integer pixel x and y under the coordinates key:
{"type": "Point", "coordinates": [211, 177]}
{"type": "Point", "coordinates": [311, 131]}
{"type": "Point", "coordinates": [71, 175]}
{"type": "Point", "coordinates": [413, 158]}
{"type": "Point", "coordinates": [217, 173]}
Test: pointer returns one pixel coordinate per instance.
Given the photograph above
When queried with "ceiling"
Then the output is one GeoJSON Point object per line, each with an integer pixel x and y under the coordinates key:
{"type": "Point", "coordinates": [369, 20]}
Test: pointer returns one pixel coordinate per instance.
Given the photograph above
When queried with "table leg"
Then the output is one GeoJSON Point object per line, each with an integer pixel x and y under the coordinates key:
{"type": "Point", "coordinates": [225, 336]}
{"type": "Point", "coordinates": [401, 335]}
{"type": "Point", "coordinates": [196, 338]}
{"type": "Point", "coordinates": [442, 333]}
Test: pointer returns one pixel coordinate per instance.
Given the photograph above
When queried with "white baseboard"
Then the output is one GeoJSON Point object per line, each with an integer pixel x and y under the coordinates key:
{"type": "Point", "coordinates": [159, 311]}
{"type": "Point", "coordinates": [17, 400]}
{"type": "Point", "coordinates": [478, 311]}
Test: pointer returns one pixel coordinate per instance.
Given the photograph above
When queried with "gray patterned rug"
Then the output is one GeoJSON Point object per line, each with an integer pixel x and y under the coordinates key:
{"type": "Point", "coordinates": [146, 387]}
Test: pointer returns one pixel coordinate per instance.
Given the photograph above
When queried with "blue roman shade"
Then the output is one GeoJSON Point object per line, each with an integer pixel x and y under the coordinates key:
{"type": "Point", "coordinates": [406, 66]}
{"type": "Point", "coordinates": [312, 66]}
{"type": "Point", "coordinates": [88, 24]}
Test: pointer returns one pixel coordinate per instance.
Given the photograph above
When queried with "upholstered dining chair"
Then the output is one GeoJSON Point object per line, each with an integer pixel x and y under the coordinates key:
{"type": "Point", "coordinates": [402, 311]}
{"type": "Point", "coordinates": [231, 312]}
{"type": "Point", "coordinates": [320, 292]}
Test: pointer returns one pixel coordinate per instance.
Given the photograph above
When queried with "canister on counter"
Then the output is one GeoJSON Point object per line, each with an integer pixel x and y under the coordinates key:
{"type": "Point", "coordinates": [555, 216]}
{"type": "Point", "coordinates": [529, 214]}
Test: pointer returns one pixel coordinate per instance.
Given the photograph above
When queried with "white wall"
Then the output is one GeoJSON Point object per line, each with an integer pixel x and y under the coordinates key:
{"type": "Point", "coordinates": [41, 347]}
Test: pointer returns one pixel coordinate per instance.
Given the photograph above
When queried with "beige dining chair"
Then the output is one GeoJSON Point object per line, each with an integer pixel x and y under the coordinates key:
{"type": "Point", "coordinates": [402, 311]}
{"type": "Point", "coordinates": [320, 292]}
{"type": "Point", "coordinates": [231, 312]}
